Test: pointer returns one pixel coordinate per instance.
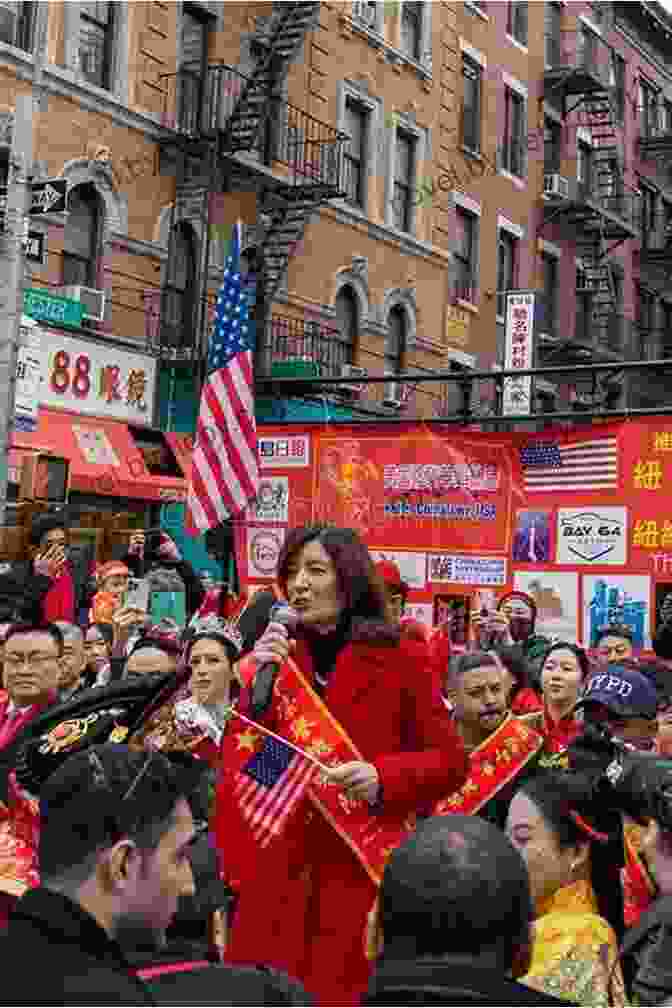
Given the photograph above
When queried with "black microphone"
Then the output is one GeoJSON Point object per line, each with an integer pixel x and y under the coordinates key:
{"type": "Point", "coordinates": [266, 674]}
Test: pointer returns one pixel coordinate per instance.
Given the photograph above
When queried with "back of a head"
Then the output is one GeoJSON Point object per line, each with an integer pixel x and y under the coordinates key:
{"type": "Point", "coordinates": [456, 887]}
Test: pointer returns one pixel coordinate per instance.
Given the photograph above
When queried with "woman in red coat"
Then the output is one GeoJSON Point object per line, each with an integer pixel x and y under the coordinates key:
{"type": "Point", "coordinates": [304, 899]}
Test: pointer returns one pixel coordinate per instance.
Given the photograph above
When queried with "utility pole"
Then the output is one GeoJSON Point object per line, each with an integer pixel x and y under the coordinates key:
{"type": "Point", "coordinates": [13, 244]}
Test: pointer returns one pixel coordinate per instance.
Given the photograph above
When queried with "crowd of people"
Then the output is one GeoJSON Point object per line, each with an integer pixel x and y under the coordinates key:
{"type": "Point", "coordinates": [242, 803]}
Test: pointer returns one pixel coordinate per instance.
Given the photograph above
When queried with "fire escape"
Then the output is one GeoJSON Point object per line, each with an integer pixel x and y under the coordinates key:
{"type": "Point", "coordinates": [655, 148]}
{"type": "Point", "coordinates": [228, 132]}
{"type": "Point", "coordinates": [593, 210]}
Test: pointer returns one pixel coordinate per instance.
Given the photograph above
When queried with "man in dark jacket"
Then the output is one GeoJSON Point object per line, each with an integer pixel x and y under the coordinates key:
{"type": "Point", "coordinates": [158, 550]}
{"type": "Point", "coordinates": [116, 827]}
{"type": "Point", "coordinates": [53, 582]}
{"type": "Point", "coordinates": [452, 926]}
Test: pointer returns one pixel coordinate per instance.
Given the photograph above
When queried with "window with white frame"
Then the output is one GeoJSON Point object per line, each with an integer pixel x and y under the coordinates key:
{"type": "Point", "coordinates": [465, 254]}
{"type": "Point", "coordinates": [507, 261]}
{"type": "Point", "coordinates": [411, 30]}
{"type": "Point", "coordinates": [356, 126]}
{"type": "Point", "coordinates": [472, 80]}
{"type": "Point", "coordinates": [404, 180]}
{"type": "Point", "coordinates": [96, 42]}
{"type": "Point", "coordinates": [517, 21]}
{"type": "Point", "coordinates": [514, 150]}
{"type": "Point", "coordinates": [17, 22]}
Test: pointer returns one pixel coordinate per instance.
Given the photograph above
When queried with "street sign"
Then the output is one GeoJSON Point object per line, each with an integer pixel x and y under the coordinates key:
{"type": "Point", "coordinates": [45, 307]}
{"type": "Point", "coordinates": [36, 247]}
{"type": "Point", "coordinates": [49, 196]}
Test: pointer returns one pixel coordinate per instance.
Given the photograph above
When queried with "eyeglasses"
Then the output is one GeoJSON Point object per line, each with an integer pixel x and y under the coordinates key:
{"type": "Point", "coordinates": [36, 660]}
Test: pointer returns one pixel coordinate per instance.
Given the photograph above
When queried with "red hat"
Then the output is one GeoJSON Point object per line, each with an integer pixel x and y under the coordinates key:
{"type": "Point", "coordinates": [111, 567]}
{"type": "Point", "coordinates": [390, 574]}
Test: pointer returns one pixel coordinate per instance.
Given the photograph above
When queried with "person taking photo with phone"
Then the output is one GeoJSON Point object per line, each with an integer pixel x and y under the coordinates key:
{"type": "Point", "coordinates": [155, 550]}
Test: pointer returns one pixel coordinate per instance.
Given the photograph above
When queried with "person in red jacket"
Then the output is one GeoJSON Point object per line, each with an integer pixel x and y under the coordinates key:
{"type": "Point", "coordinates": [396, 592]}
{"type": "Point", "coordinates": [352, 689]}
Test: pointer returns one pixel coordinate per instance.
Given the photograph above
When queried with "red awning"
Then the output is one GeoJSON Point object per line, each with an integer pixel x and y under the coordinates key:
{"type": "Point", "coordinates": [104, 458]}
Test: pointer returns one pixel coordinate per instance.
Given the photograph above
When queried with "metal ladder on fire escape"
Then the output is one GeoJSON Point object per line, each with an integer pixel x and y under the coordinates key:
{"type": "Point", "coordinates": [288, 212]}
{"type": "Point", "coordinates": [592, 245]}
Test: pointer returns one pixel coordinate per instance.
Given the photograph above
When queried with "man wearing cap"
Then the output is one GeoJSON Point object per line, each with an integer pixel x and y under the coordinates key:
{"type": "Point", "coordinates": [53, 583]}
{"type": "Point", "coordinates": [116, 827]}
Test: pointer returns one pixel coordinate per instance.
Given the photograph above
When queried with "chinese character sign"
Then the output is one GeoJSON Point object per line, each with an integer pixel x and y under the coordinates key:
{"type": "Point", "coordinates": [518, 353]}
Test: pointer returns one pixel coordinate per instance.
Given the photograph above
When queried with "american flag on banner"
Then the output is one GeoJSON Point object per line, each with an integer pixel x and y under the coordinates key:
{"type": "Point", "coordinates": [225, 465]}
{"type": "Point", "coordinates": [269, 786]}
{"type": "Point", "coordinates": [584, 465]}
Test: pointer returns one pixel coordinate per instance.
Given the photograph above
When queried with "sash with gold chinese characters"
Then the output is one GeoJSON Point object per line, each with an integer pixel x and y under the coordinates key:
{"type": "Point", "coordinates": [302, 718]}
{"type": "Point", "coordinates": [639, 890]}
{"type": "Point", "coordinates": [493, 764]}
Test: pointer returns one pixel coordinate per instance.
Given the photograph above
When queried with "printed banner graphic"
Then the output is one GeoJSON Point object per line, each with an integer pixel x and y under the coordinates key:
{"type": "Point", "coordinates": [593, 537]}
{"type": "Point", "coordinates": [444, 568]}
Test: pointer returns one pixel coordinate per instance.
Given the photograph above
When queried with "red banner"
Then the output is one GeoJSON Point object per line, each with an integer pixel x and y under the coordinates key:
{"type": "Point", "coordinates": [576, 518]}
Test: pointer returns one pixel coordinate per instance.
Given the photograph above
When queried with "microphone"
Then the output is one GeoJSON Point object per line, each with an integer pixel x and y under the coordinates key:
{"type": "Point", "coordinates": [266, 674]}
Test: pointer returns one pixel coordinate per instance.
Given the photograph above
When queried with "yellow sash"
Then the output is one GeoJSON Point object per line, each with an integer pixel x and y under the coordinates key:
{"type": "Point", "coordinates": [493, 764]}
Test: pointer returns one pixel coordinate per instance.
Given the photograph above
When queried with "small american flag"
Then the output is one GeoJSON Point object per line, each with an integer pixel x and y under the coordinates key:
{"type": "Point", "coordinates": [225, 467]}
{"type": "Point", "coordinates": [269, 786]}
{"type": "Point", "coordinates": [584, 465]}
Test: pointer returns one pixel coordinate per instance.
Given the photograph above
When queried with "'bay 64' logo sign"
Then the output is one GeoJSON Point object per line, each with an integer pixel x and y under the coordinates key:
{"type": "Point", "coordinates": [592, 537]}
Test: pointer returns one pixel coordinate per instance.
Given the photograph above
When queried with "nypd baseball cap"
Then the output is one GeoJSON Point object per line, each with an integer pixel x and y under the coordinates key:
{"type": "Point", "coordinates": [622, 690]}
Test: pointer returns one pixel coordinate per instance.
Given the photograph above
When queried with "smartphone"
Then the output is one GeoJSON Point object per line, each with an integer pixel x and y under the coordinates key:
{"type": "Point", "coordinates": [137, 594]}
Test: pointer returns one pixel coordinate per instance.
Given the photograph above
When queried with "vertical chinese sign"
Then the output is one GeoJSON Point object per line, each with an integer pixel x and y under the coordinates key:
{"type": "Point", "coordinates": [518, 353]}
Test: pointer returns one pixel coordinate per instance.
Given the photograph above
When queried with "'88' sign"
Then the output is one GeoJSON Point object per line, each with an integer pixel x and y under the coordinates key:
{"type": "Point", "coordinates": [75, 374]}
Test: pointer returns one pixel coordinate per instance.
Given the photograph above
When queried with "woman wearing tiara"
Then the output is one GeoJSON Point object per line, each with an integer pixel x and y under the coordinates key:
{"type": "Point", "coordinates": [195, 723]}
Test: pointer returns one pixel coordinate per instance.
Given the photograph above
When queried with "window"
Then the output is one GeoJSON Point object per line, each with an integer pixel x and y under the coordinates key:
{"type": "Point", "coordinates": [465, 254]}
{"type": "Point", "coordinates": [193, 60]}
{"type": "Point", "coordinates": [471, 104]}
{"type": "Point", "coordinates": [96, 36]}
{"type": "Point", "coordinates": [356, 118]}
{"type": "Point", "coordinates": [16, 24]}
{"type": "Point", "coordinates": [507, 248]}
{"type": "Point", "coordinates": [666, 329]}
{"type": "Point", "coordinates": [82, 237]}
{"type": "Point", "coordinates": [584, 308]}
{"type": "Point", "coordinates": [515, 134]}
{"type": "Point", "coordinates": [517, 23]}
{"type": "Point", "coordinates": [587, 50]}
{"type": "Point", "coordinates": [347, 320]}
{"type": "Point", "coordinates": [366, 12]}
{"type": "Point", "coordinates": [648, 108]}
{"type": "Point", "coordinates": [552, 146]}
{"type": "Point", "coordinates": [404, 172]}
{"type": "Point", "coordinates": [619, 86]}
{"type": "Point", "coordinates": [667, 116]}
{"type": "Point", "coordinates": [178, 298]}
{"type": "Point", "coordinates": [584, 167]}
{"type": "Point", "coordinates": [645, 315]}
{"type": "Point", "coordinates": [411, 30]}
{"type": "Point", "coordinates": [552, 36]}
{"type": "Point", "coordinates": [649, 218]}
{"type": "Point", "coordinates": [395, 342]}
{"type": "Point", "coordinates": [549, 283]}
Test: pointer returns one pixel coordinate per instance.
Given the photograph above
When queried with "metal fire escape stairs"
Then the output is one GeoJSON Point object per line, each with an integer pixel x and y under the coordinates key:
{"type": "Point", "coordinates": [286, 209]}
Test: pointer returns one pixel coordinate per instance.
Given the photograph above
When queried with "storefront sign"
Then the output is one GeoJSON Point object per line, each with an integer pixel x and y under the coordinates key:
{"type": "Point", "coordinates": [280, 452]}
{"type": "Point", "coordinates": [471, 570]}
{"type": "Point", "coordinates": [518, 353]}
{"type": "Point", "coordinates": [45, 307]}
{"type": "Point", "coordinates": [95, 379]}
{"type": "Point", "coordinates": [28, 366]}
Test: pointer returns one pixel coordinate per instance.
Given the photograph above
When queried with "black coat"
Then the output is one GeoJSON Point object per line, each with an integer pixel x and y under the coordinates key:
{"type": "Point", "coordinates": [448, 982]}
{"type": "Point", "coordinates": [220, 984]}
{"type": "Point", "coordinates": [54, 953]}
{"type": "Point", "coordinates": [22, 591]}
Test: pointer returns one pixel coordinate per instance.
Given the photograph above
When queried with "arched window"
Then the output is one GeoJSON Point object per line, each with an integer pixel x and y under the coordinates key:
{"type": "Point", "coordinates": [395, 342]}
{"type": "Point", "coordinates": [81, 243]}
{"type": "Point", "coordinates": [347, 320]}
{"type": "Point", "coordinates": [179, 293]}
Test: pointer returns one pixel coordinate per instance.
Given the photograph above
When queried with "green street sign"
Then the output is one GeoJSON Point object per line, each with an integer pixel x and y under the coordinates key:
{"type": "Point", "coordinates": [46, 307]}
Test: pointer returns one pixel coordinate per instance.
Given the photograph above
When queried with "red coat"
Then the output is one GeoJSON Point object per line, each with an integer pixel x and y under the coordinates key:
{"type": "Point", "coordinates": [304, 907]}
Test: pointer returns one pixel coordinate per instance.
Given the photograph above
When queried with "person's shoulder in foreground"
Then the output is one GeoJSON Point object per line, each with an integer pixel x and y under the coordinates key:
{"type": "Point", "coordinates": [452, 923]}
{"type": "Point", "coordinates": [221, 984]}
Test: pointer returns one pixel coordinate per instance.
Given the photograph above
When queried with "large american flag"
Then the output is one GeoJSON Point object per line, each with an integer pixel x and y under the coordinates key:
{"type": "Point", "coordinates": [583, 465]}
{"type": "Point", "coordinates": [269, 786]}
{"type": "Point", "coordinates": [225, 465]}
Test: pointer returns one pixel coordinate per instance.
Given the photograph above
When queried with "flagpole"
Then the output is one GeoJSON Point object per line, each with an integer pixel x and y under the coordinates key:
{"type": "Point", "coordinates": [279, 738]}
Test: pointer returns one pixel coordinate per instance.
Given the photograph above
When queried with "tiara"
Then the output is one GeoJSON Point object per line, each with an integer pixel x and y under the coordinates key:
{"type": "Point", "coordinates": [223, 628]}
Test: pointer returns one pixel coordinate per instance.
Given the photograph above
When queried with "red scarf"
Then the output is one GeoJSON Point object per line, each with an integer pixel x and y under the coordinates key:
{"type": "Point", "coordinates": [59, 602]}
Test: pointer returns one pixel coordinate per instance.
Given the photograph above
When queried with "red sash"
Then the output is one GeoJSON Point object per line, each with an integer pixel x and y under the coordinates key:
{"type": "Point", "coordinates": [303, 718]}
{"type": "Point", "coordinates": [493, 764]}
{"type": "Point", "coordinates": [638, 889]}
